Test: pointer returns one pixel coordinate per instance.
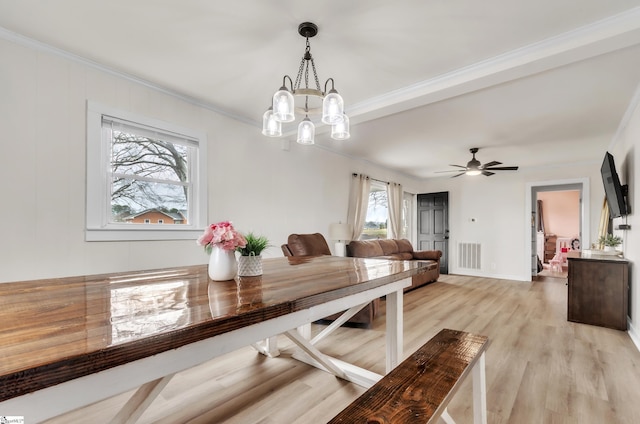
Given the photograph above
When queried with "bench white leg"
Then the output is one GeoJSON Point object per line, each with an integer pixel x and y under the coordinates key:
{"type": "Point", "coordinates": [479, 392]}
{"type": "Point", "coordinates": [394, 329]}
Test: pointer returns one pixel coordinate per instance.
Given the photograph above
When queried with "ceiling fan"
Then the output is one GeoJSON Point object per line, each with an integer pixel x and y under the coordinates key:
{"type": "Point", "coordinates": [474, 167]}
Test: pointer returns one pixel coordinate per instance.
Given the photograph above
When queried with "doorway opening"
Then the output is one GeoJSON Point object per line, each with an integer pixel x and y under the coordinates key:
{"type": "Point", "coordinates": [552, 237]}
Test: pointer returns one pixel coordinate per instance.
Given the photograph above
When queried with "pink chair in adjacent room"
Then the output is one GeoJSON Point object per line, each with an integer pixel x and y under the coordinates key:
{"type": "Point", "coordinates": [556, 263]}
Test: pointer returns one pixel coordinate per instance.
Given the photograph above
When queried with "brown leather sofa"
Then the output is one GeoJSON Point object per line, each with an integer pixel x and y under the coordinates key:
{"type": "Point", "coordinates": [315, 245]}
{"type": "Point", "coordinates": [399, 250]}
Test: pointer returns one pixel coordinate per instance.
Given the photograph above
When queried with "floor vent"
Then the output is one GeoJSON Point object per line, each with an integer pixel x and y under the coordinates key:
{"type": "Point", "coordinates": [469, 255]}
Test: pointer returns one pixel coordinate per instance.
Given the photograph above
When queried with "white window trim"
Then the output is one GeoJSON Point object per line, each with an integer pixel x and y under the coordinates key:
{"type": "Point", "coordinates": [97, 226]}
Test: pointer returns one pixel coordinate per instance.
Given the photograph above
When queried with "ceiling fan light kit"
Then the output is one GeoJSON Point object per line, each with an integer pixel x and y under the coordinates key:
{"type": "Point", "coordinates": [474, 167]}
{"type": "Point", "coordinates": [283, 106]}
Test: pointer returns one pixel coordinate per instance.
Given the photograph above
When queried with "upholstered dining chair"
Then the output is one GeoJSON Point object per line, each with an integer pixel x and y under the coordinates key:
{"type": "Point", "coordinates": [306, 245]}
{"type": "Point", "coordinates": [315, 245]}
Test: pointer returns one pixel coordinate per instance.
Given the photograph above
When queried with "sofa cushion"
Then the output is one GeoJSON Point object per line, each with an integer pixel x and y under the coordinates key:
{"type": "Point", "coordinates": [434, 255]}
{"type": "Point", "coordinates": [404, 246]}
{"type": "Point", "coordinates": [388, 246]}
{"type": "Point", "coordinates": [365, 249]}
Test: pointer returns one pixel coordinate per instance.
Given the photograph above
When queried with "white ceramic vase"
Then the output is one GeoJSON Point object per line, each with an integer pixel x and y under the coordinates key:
{"type": "Point", "coordinates": [610, 248]}
{"type": "Point", "coordinates": [249, 266]}
{"type": "Point", "coordinates": [222, 264]}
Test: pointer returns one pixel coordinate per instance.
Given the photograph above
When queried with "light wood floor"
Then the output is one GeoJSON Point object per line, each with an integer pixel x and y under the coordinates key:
{"type": "Point", "coordinates": [540, 368]}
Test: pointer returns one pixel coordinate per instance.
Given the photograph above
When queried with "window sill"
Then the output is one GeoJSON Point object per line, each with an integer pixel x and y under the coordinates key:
{"type": "Point", "coordinates": [141, 234]}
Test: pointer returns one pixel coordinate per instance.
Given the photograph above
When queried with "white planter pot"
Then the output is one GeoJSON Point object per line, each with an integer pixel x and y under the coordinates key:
{"type": "Point", "coordinates": [249, 266]}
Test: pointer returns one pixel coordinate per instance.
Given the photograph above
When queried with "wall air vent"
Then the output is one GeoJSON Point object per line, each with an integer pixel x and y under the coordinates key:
{"type": "Point", "coordinates": [469, 255]}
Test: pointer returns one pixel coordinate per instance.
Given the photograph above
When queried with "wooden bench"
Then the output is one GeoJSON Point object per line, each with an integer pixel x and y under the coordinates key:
{"type": "Point", "coordinates": [419, 389]}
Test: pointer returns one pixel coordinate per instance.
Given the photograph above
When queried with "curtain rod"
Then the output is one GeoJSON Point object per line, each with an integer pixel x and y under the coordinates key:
{"type": "Point", "coordinates": [373, 179]}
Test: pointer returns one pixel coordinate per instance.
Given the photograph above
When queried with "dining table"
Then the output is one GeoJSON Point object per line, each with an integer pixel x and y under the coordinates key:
{"type": "Point", "coordinates": [69, 342]}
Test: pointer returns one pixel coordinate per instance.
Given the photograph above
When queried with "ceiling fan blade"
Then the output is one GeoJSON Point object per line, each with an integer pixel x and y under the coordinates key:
{"type": "Point", "coordinates": [459, 166]}
{"type": "Point", "coordinates": [487, 173]}
{"type": "Point", "coordinates": [462, 173]}
{"type": "Point", "coordinates": [492, 163]}
{"type": "Point", "coordinates": [503, 168]}
{"type": "Point", "coordinates": [451, 170]}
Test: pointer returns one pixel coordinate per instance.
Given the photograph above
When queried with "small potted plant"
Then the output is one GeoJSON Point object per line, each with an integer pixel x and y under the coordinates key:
{"type": "Point", "coordinates": [250, 260]}
{"type": "Point", "coordinates": [610, 242]}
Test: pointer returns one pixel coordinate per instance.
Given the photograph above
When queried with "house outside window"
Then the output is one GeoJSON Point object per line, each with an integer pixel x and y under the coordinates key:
{"type": "Point", "coordinates": [146, 179]}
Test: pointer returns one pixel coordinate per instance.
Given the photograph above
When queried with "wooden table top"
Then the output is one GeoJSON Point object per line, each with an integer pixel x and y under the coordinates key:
{"type": "Point", "coordinates": [55, 330]}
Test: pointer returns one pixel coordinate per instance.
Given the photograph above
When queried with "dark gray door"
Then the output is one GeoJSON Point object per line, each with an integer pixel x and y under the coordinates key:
{"type": "Point", "coordinates": [433, 225]}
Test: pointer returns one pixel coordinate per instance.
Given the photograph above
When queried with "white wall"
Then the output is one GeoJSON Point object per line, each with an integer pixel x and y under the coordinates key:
{"type": "Point", "coordinates": [627, 158]}
{"type": "Point", "coordinates": [561, 212]}
{"type": "Point", "coordinates": [252, 180]}
{"type": "Point", "coordinates": [498, 207]}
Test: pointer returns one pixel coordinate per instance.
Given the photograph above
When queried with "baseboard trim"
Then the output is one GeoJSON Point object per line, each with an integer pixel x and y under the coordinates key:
{"type": "Point", "coordinates": [471, 273]}
{"type": "Point", "coordinates": [635, 338]}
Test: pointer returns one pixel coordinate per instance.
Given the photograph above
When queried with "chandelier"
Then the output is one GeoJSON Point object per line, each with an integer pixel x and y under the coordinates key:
{"type": "Point", "coordinates": [283, 107]}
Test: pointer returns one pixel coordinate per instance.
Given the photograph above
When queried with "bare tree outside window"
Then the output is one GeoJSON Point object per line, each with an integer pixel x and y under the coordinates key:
{"type": "Point", "coordinates": [146, 177]}
{"type": "Point", "coordinates": [375, 226]}
{"type": "Point", "coordinates": [147, 174]}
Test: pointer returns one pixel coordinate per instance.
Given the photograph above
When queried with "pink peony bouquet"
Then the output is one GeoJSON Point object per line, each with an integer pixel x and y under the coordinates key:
{"type": "Point", "coordinates": [222, 235]}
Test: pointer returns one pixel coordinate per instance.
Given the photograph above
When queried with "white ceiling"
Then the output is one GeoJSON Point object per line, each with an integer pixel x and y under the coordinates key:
{"type": "Point", "coordinates": [532, 83]}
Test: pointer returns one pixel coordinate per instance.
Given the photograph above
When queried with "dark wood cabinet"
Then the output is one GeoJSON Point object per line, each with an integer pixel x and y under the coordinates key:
{"type": "Point", "coordinates": [598, 290]}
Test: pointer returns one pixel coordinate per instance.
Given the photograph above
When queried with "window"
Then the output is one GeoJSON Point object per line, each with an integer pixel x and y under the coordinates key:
{"type": "Point", "coordinates": [407, 209]}
{"type": "Point", "coordinates": [377, 220]}
{"type": "Point", "coordinates": [375, 224]}
{"type": "Point", "coordinates": [141, 170]}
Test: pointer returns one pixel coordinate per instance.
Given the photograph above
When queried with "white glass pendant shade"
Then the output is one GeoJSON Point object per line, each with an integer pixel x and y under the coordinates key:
{"type": "Point", "coordinates": [283, 105]}
{"type": "Point", "coordinates": [271, 127]}
{"type": "Point", "coordinates": [340, 131]}
{"type": "Point", "coordinates": [332, 108]}
{"type": "Point", "coordinates": [306, 131]}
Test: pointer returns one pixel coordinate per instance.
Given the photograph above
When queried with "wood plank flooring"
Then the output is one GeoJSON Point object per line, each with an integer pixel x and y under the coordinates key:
{"type": "Point", "coordinates": [540, 367]}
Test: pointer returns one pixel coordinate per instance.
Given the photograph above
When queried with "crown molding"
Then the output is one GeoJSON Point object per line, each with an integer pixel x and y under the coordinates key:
{"type": "Point", "coordinates": [598, 38]}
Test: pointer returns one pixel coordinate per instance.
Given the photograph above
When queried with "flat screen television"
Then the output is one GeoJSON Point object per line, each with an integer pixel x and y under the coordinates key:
{"type": "Point", "coordinates": [614, 192]}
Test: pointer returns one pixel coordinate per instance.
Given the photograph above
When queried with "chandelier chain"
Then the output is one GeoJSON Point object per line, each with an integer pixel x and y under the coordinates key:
{"type": "Point", "coordinates": [303, 70]}
{"type": "Point", "coordinates": [299, 77]}
{"type": "Point", "coordinates": [315, 74]}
